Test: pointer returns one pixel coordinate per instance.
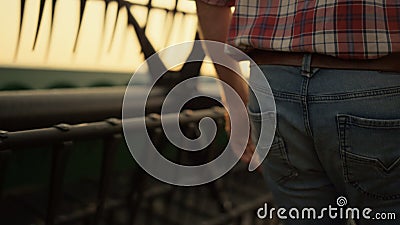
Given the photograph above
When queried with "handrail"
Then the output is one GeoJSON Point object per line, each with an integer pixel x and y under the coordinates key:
{"type": "Point", "coordinates": [28, 109]}
{"type": "Point", "coordinates": [65, 132]}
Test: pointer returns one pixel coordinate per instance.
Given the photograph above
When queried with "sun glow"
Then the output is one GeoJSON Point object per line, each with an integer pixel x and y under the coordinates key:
{"type": "Point", "coordinates": [104, 43]}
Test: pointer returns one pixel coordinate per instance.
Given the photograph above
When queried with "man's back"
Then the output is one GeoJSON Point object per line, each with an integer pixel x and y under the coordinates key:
{"type": "Point", "coordinates": [362, 29]}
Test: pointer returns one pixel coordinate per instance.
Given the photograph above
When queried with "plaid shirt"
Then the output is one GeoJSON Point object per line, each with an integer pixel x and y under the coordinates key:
{"type": "Point", "coordinates": [357, 29]}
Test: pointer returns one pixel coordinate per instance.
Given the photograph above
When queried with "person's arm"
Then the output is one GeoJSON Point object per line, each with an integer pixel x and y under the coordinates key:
{"type": "Point", "coordinates": [214, 24]}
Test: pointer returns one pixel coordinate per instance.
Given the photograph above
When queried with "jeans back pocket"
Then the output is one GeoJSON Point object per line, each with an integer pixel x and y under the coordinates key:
{"type": "Point", "coordinates": [370, 152]}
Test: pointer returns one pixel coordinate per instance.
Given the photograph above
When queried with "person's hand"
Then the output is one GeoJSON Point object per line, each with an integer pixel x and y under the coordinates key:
{"type": "Point", "coordinates": [250, 147]}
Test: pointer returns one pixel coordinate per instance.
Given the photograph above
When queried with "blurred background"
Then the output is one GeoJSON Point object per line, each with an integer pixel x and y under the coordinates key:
{"type": "Point", "coordinates": [64, 67]}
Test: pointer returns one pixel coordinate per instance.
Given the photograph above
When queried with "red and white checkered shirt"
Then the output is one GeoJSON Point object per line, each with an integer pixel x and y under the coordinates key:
{"type": "Point", "coordinates": [357, 29]}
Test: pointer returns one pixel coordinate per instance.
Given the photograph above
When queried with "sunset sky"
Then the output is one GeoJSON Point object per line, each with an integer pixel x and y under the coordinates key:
{"type": "Point", "coordinates": [95, 50]}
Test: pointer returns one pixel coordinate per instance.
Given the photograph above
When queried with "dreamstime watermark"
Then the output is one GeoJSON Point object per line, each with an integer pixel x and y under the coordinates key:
{"type": "Point", "coordinates": [340, 211]}
{"type": "Point", "coordinates": [151, 160]}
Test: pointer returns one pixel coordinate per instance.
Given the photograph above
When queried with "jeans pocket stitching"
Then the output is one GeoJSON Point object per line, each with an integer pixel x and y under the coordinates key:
{"type": "Point", "coordinates": [344, 122]}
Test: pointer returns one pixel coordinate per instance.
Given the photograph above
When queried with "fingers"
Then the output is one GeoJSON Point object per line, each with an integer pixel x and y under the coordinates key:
{"type": "Point", "coordinates": [250, 147]}
{"type": "Point", "coordinates": [249, 154]}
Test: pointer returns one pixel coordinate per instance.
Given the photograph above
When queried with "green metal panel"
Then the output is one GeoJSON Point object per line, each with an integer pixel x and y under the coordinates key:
{"type": "Point", "coordinates": [21, 78]}
{"type": "Point", "coordinates": [30, 168]}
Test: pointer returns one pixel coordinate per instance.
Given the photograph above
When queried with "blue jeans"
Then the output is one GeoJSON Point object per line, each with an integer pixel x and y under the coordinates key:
{"type": "Point", "coordinates": [338, 134]}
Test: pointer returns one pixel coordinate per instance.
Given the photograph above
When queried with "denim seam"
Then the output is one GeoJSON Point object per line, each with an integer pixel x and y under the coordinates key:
{"type": "Point", "coordinates": [288, 100]}
{"type": "Point", "coordinates": [390, 125]}
{"type": "Point", "coordinates": [343, 126]}
{"type": "Point", "coordinates": [304, 102]}
{"type": "Point", "coordinates": [374, 123]}
{"type": "Point", "coordinates": [356, 95]}
{"type": "Point", "coordinates": [342, 143]}
{"type": "Point", "coordinates": [287, 96]}
{"type": "Point", "coordinates": [368, 160]}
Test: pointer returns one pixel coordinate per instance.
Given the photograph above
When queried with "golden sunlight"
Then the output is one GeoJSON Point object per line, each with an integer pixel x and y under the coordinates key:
{"type": "Point", "coordinates": [104, 41]}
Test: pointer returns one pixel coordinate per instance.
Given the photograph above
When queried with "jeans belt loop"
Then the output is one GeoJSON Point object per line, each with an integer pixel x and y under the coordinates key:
{"type": "Point", "coordinates": [306, 65]}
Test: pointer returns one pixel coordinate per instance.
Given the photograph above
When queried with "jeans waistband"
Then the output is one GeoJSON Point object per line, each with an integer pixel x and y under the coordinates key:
{"type": "Point", "coordinates": [388, 63]}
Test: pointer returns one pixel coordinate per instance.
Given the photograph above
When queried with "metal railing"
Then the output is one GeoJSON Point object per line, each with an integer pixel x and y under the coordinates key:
{"type": "Point", "coordinates": [60, 119]}
{"type": "Point", "coordinates": [62, 137]}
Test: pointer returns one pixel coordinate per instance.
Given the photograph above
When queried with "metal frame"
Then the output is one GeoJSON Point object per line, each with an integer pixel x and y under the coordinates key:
{"type": "Point", "coordinates": [62, 137]}
{"type": "Point", "coordinates": [28, 118]}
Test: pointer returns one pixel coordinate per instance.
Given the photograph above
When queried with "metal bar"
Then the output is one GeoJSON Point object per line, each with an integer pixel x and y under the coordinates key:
{"type": "Point", "coordinates": [191, 68]}
{"type": "Point", "coordinates": [30, 109]}
{"type": "Point", "coordinates": [53, 10]}
{"type": "Point", "coordinates": [82, 11]}
{"type": "Point", "coordinates": [136, 194]}
{"type": "Point", "coordinates": [4, 160]}
{"type": "Point", "coordinates": [65, 132]}
{"type": "Point", "coordinates": [145, 44]}
{"type": "Point", "coordinates": [148, 50]}
{"type": "Point", "coordinates": [109, 152]}
{"type": "Point", "coordinates": [59, 163]}
{"type": "Point", "coordinates": [120, 5]}
{"type": "Point", "coordinates": [158, 139]}
{"type": "Point", "coordinates": [22, 10]}
{"type": "Point", "coordinates": [41, 9]}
